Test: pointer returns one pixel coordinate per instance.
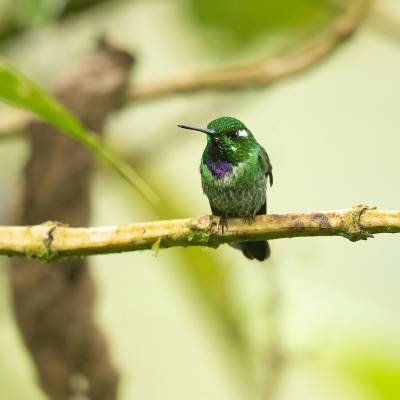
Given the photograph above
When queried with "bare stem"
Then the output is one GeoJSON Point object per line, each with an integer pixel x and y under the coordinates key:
{"type": "Point", "coordinates": [52, 240]}
{"type": "Point", "coordinates": [262, 73]}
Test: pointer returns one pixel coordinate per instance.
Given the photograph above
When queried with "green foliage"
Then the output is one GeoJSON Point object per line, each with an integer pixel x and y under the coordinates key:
{"type": "Point", "coordinates": [374, 368]}
{"type": "Point", "coordinates": [244, 21]}
{"type": "Point", "coordinates": [19, 91]}
{"type": "Point", "coordinates": [377, 373]}
{"type": "Point", "coordinates": [33, 12]}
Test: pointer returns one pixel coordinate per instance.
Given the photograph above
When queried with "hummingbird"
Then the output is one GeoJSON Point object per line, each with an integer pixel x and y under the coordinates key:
{"type": "Point", "coordinates": [234, 171]}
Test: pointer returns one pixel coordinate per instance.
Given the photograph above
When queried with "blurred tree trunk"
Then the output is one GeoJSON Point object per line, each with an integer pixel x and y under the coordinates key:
{"type": "Point", "coordinates": [54, 302]}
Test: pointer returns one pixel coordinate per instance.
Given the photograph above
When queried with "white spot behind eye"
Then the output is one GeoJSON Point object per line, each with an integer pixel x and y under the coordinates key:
{"type": "Point", "coordinates": [242, 132]}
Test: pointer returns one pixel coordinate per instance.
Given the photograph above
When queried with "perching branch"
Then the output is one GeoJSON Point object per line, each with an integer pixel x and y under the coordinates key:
{"type": "Point", "coordinates": [259, 74]}
{"type": "Point", "coordinates": [52, 240]}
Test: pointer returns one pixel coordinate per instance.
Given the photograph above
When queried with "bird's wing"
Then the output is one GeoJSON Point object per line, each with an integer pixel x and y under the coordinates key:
{"type": "Point", "coordinates": [264, 159]}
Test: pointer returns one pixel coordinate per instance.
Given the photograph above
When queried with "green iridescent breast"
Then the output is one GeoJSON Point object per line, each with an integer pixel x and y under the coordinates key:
{"type": "Point", "coordinates": [241, 191]}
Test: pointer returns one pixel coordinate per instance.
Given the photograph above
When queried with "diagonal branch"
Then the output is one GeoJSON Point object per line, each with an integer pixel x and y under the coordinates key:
{"type": "Point", "coordinates": [262, 73]}
{"type": "Point", "coordinates": [259, 74]}
{"type": "Point", "coordinates": [52, 240]}
{"type": "Point", "coordinates": [381, 18]}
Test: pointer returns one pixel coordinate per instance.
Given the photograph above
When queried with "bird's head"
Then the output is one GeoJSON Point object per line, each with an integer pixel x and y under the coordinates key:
{"type": "Point", "coordinates": [228, 139]}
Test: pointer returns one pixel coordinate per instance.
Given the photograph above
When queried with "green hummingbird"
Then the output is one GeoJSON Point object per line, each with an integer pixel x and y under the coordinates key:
{"type": "Point", "coordinates": [234, 171]}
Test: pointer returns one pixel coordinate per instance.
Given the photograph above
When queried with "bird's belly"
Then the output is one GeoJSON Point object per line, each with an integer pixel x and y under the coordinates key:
{"type": "Point", "coordinates": [235, 198]}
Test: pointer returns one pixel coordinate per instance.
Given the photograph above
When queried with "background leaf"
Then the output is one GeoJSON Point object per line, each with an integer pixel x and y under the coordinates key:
{"type": "Point", "coordinates": [376, 372]}
{"type": "Point", "coordinates": [244, 21]}
{"type": "Point", "coordinates": [19, 91]}
{"type": "Point", "coordinates": [33, 12]}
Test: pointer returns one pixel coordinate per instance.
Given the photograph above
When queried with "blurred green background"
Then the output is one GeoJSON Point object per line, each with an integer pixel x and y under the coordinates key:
{"type": "Point", "coordinates": [208, 324]}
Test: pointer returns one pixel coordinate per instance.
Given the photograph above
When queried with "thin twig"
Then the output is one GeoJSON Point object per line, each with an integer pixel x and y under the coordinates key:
{"type": "Point", "coordinates": [259, 74]}
{"type": "Point", "coordinates": [52, 240]}
{"type": "Point", "coordinates": [381, 17]}
{"type": "Point", "coordinates": [386, 22]}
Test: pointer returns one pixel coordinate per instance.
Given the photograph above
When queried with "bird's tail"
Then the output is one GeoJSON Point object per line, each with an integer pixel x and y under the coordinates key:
{"type": "Point", "coordinates": [254, 250]}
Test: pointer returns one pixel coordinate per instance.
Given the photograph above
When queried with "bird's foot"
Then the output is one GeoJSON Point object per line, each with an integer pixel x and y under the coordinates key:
{"type": "Point", "coordinates": [223, 223]}
{"type": "Point", "coordinates": [250, 219]}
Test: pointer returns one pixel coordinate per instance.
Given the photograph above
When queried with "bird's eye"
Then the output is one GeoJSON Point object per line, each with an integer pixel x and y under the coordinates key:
{"type": "Point", "coordinates": [233, 135]}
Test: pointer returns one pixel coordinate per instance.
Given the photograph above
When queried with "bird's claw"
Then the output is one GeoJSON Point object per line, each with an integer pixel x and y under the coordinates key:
{"type": "Point", "coordinates": [250, 219]}
{"type": "Point", "coordinates": [223, 223]}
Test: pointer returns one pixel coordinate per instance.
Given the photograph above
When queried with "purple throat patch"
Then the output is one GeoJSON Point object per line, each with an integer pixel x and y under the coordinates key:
{"type": "Point", "coordinates": [219, 169]}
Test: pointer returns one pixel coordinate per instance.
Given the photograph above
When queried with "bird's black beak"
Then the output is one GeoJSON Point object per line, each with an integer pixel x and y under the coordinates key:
{"type": "Point", "coordinates": [192, 128]}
